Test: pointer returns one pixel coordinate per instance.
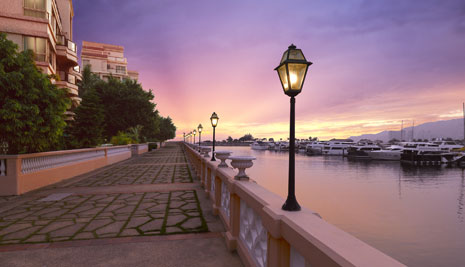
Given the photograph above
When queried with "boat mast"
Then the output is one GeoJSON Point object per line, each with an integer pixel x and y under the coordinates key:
{"type": "Point", "coordinates": [402, 131]}
{"type": "Point", "coordinates": [413, 127]}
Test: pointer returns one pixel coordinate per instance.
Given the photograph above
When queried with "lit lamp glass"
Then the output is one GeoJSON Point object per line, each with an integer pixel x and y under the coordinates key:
{"type": "Point", "coordinates": [200, 128]}
{"type": "Point", "coordinates": [214, 119]}
{"type": "Point", "coordinates": [292, 70]}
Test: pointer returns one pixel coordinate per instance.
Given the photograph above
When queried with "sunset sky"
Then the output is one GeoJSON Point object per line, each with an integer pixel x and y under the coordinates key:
{"type": "Point", "coordinates": [375, 63]}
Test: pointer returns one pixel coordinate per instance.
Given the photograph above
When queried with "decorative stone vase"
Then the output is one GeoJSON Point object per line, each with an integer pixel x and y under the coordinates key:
{"type": "Point", "coordinates": [205, 151]}
{"type": "Point", "coordinates": [223, 156]}
{"type": "Point", "coordinates": [241, 163]}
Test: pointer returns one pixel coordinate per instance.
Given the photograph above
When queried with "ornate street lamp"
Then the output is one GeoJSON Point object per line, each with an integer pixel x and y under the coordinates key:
{"type": "Point", "coordinates": [184, 137]}
{"type": "Point", "coordinates": [214, 120]}
{"type": "Point", "coordinates": [200, 128]}
{"type": "Point", "coordinates": [292, 71]}
{"type": "Point", "coordinates": [194, 132]}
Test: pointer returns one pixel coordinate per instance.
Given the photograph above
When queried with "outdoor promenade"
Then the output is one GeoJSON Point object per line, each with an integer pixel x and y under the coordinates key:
{"type": "Point", "coordinates": [149, 210]}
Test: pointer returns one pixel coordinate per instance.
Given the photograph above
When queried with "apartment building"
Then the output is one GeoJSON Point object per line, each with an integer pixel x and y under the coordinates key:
{"type": "Point", "coordinates": [46, 28]}
{"type": "Point", "coordinates": [106, 60]}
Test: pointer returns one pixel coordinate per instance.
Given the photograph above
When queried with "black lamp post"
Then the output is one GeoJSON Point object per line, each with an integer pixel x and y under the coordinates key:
{"type": "Point", "coordinates": [292, 71]}
{"type": "Point", "coordinates": [214, 120]}
{"type": "Point", "coordinates": [194, 132]}
{"type": "Point", "coordinates": [200, 128]}
{"type": "Point", "coordinates": [184, 137]}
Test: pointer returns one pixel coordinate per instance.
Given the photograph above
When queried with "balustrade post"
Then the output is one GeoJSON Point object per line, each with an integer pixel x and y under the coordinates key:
{"type": "Point", "coordinates": [234, 222]}
{"type": "Point", "coordinates": [217, 205]}
{"type": "Point", "coordinates": [278, 252]}
{"type": "Point", "coordinates": [202, 170]}
{"type": "Point", "coordinates": [208, 181]}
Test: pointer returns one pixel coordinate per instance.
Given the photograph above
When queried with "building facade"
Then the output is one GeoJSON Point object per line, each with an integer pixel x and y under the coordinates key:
{"type": "Point", "coordinates": [46, 28]}
{"type": "Point", "coordinates": [106, 60]}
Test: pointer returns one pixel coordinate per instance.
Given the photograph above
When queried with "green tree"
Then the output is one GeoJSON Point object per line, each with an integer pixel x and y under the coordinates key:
{"type": "Point", "coordinates": [247, 137]}
{"type": "Point", "coordinates": [88, 125]}
{"type": "Point", "coordinates": [167, 130]}
{"type": "Point", "coordinates": [126, 105]}
{"type": "Point", "coordinates": [32, 108]}
{"type": "Point", "coordinates": [89, 80]}
{"type": "Point", "coordinates": [230, 139]}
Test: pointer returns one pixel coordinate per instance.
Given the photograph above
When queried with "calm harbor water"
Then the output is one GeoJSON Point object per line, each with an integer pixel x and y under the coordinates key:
{"type": "Point", "coordinates": [413, 214]}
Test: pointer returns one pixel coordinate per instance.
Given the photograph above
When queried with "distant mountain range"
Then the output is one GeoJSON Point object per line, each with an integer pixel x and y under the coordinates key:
{"type": "Point", "coordinates": [438, 129]}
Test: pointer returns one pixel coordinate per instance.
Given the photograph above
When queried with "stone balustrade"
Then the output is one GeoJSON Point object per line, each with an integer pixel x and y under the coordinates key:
{"type": "Point", "coordinates": [265, 235]}
{"type": "Point", "coordinates": [26, 172]}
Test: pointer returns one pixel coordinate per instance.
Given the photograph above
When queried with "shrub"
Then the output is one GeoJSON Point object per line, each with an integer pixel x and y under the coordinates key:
{"type": "Point", "coordinates": [122, 139]}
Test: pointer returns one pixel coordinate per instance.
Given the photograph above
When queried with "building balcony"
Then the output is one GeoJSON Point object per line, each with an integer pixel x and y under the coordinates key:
{"type": "Point", "coordinates": [68, 81]}
{"type": "Point", "coordinates": [66, 52]}
{"type": "Point", "coordinates": [76, 71]}
{"type": "Point", "coordinates": [69, 115]}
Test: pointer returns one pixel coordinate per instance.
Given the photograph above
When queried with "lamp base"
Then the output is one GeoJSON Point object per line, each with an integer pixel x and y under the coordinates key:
{"type": "Point", "coordinates": [291, 204]}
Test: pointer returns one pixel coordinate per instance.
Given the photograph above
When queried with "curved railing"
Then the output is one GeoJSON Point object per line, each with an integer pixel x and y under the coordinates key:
{"type": "Point", "coordinates": [265, 235]}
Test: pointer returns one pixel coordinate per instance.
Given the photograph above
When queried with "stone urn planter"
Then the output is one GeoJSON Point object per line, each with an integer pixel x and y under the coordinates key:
{"type": "Point", "coordinates": [205, 151]}
{"type": "Point", "coordinates": [241, 163]}
{"type": "Point", "coordinates": [223, 156]}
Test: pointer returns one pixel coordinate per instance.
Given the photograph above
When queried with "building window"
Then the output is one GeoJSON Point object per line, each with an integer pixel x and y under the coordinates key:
{"type": "Point", "coordinates": [35, 8]}
{"type": "Point", "coordinates": [51, 56]}
{"type": "Point", "coordinates": [121, 69]}
{"type": "Point", "coordinates": [38, 46]}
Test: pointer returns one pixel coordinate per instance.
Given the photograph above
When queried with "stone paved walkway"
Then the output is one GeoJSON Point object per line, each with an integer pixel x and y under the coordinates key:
{"type": "Point", "coordinates": [154, 194]}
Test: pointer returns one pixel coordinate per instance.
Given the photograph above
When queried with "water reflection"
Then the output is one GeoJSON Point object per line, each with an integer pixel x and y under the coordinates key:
{"type": "Point", "coordinates": [461, 196]}
{"type": "Point", "coordinates": [415, 214]}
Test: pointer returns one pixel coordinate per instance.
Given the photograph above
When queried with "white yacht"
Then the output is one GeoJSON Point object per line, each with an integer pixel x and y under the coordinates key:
{"type": "Point", "coordinates": [390, 153]}
{"type": "Point", "coordinates": [337, 148]}
{"type": "Point", "coordinates": [259, 145]}
{"type": "Point", "coordinates": [315, 147]}
{"type": "Point", "coordinates": [447, 146]}
{"type": "Point", "coordinates": [281, 146]}
{"type": "Point", "coordinates": [360, 151]}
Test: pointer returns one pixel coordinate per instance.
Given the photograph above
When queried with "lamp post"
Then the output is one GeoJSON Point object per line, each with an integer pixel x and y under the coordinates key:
{"type": "Point", "coordinates": [184, 137]}
{"type": "Point", "coordinates": [194, 132]}
{"type": "Point", "coordinates": [292, 71]}
{"type": "Point", "coordinates": [200, 128]}
{"type": "Point", "coordinates": [214, 120]}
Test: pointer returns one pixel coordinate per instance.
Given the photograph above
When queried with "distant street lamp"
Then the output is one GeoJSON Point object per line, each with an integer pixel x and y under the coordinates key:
{"type": "Point", "coordinates": [214, 120]}
{"type": "Point", "coordinates": [200, 128]}
{"type": "Point", "coordinates": [292, 71]}
{"type": "Point", "coordinates": [184, 137]}
{"type": "Point", "coordinates": [195, 132]}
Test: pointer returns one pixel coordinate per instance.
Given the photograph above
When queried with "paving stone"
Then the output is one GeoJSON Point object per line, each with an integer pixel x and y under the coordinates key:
{"type": "Point", "coordinates": [173, 229]}
{"type": "Point", "coordinates": [15, 227]}
{"type": "Point", "coordinates": [97, 223]}
{"type": "Point", "coordinates": [136, 221]}
{"type": "Point", "coordinates": [67, 231]}
{"type": "Point", "coordinates": [60, 238]}
{"type": "Point", "coordinates": [175, 219]}
{"type": "Point", "coordinates": [36, 238]}
{"type": "Point", "coordinates": [55, 226]}
{"type": "Point", "coordinates": [192, 223]}
{"type": "Point", "coordinates": [129, 232]}
{"type": "Point", "coordinates": [190, 206]}
{"type": "Point", "coordinates": [152, 226]}
{"type": "Point", "coordinates": [84, 236]}
{"type": "Point", "coordinates": [21, 234]}
{"type": "Point", "coordinates": [111, 228]}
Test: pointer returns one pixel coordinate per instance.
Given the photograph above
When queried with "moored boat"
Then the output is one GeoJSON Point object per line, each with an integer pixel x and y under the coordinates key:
{"type": "Point", "coordinates": [390, 153]}
{"type": "Point", "coordinates": [259, 145]}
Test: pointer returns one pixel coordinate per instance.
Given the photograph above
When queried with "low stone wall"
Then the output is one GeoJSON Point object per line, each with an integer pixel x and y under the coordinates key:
{"type": "Point", "coordinates": [265, 235]}
{"type": "Point", "coordinates": [138, 149]}
{"type": "Point", "coordinates": [22, 173]}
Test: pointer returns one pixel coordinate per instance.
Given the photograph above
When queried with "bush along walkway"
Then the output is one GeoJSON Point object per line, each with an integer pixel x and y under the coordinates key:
{"type": "Point", "coordinates": [152, 194]}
